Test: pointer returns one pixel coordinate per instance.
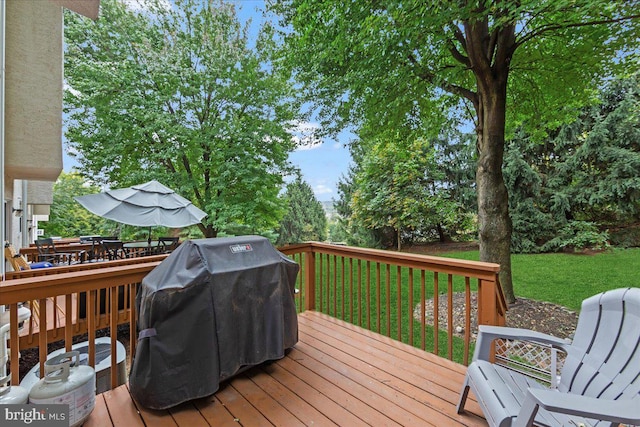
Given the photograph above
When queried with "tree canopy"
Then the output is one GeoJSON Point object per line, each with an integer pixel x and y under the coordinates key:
{"type": "Point", "coordinates": [67, 217]}
{"type": "Point", "coordinates": [411, 64]}
{"type": "Point", "coordinates": [179, 93]}
{"type": "Point", "coordinates": [396, 188]}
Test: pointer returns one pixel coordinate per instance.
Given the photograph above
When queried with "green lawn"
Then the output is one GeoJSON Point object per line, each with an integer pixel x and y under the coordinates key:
{"type": "Point", "coordinates": [567, 279]}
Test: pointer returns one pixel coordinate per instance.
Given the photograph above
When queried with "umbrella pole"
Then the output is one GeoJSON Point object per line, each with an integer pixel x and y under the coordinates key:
{"type": "Point", "coordinates": [149, 240]}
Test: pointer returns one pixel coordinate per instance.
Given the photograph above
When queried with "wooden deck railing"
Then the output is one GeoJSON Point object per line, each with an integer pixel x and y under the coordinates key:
{"type": "Point", "coordinates": [56, 321]}
{"type": "Point", "coordinates": [386, 291]}
{"type": "Point", "coordinates": [103, 285]}
{"type": "Point", "coordinates": [351, 283]}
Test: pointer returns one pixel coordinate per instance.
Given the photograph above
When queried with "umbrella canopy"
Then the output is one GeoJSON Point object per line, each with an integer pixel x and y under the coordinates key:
{"type": "Point", "coordinates": [143, 205]}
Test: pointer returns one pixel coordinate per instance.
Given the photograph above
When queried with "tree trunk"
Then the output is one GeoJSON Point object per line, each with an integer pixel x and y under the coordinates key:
{"type": "Point", "coordinates": [493, 200]}
{"type": "Point", "coordinates": [441, 235]}
{"type": "Point", "coordinates": [208, 231]}
{"type": "Point", "coordinates": [399, 236]}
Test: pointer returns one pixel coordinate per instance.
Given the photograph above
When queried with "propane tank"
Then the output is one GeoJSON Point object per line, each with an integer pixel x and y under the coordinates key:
{"type": "Point", "coordinates": [12, 395]}
{"type": "Point", "coordinates": [66, 384]}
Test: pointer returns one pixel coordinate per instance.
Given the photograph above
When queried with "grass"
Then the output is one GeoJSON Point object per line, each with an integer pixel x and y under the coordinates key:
{"type": "Point", "coordinates": [568, 279]}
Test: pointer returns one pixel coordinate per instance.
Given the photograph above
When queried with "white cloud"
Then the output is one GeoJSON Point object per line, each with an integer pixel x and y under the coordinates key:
{"type": "Point", "coordinates": [322, 189]}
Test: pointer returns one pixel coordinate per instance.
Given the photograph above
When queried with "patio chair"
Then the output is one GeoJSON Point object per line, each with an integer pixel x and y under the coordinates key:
{"type": "Point", "coordinates": [599, 381]}
{"type": "Point", "coordinates": [47, 252]}
{"type": "Point", "coordinates": [96, 252]}
{"type": "Point", "coordinates": [114, 249]}
{"type": "Point", "coordinates": [17, 261]}
{"type": "Point", "coordinates": [166, 245]}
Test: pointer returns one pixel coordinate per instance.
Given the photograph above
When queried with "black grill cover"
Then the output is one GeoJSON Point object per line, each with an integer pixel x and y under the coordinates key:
{"type": "Point", "coordinates": [212, 308]}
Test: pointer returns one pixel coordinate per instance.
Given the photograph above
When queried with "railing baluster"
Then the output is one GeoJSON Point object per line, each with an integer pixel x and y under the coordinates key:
{"type": "Point", "coordinates": [91, 326]}
{"type": "Point", "coordinates": [388, 298]}
{"type": "Point", "coordinates": [68, 322]}
{"type": "Point", "coordinates": [368, 298]}
{"type": "Point", "coordinates": [42, 334]}
{"type": "Point", "coordinates": [321, 284]}
{"type": "Point", "coordinates": [399, 302]}
{"type": "Point", "coordinates": [310, 280]}
{"type": "Point", "coordinates": [133, 317]}
{"type": "Point", "coordinates": [450, 316]}
{"type": "Point", "coordinates": [436, 311]}
{"type": "Point", "coordinates": [328, 309]}
{"type": "Point", "coordinates": [411, 306]}
{"type": "Point", "coordinates": [13, 336]}
{"type": "Point", "coordinates": [359, 292]}
{"type": "Point", "coordinates": [378, 302]}
{"type": "Point", "coordinates": [342, 288]}
{"type": "Point", "coordinates": [467, 319]}
{"type": "Point", "coordinates": [423, 321]}
{"type": "Point", "coordinates": [335, 286]}
{"type": "Point", "coordinates": [113, 331]}
{"type": "Point", "coordinates": [351, 290]}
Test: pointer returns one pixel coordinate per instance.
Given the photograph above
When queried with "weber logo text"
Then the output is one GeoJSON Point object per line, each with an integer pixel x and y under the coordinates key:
{"type": "Point", "coordinates": [245, 247]}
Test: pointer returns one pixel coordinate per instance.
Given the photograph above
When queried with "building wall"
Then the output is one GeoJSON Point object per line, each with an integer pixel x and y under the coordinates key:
{"type": "Point", "coordinates": [33, 90]}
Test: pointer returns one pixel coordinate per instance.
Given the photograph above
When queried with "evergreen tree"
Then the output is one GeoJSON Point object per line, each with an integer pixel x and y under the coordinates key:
{"type": "Point", "coordinates": [582, 179]}
{"type": "Point", "coordinates": [305, 219]}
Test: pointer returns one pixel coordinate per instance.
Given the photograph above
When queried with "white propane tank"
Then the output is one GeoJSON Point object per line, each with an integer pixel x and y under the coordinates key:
{"type": "Point", "coordinates": [12, 395]}
{"type": "Point", "coordinates": [65, 384]}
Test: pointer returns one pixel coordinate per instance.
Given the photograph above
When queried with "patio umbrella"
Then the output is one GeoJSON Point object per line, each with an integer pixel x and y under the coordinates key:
{"type": "Point", "coordinates": [144, 205]}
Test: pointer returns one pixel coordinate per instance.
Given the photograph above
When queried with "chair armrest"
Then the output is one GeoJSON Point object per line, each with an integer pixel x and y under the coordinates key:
{"type": "Point", "coordinates": [487, 334]}
{"type": "Point", "coordinates": [618, 411]}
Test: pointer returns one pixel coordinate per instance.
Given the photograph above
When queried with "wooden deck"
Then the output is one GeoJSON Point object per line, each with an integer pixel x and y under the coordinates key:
{"type": "Point", "coordinates": [337, 374]}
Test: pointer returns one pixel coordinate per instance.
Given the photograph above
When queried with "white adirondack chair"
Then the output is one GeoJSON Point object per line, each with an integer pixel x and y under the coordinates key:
{"type": "Point", "coordinates": [600, 379]}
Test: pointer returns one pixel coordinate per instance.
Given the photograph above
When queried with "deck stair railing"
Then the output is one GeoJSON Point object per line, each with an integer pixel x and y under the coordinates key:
{"type": "Point", "coordinates": [375, 289]}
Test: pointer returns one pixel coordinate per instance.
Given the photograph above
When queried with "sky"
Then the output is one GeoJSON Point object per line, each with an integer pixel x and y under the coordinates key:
{"type": "Point", "coordinates": [323, 164]}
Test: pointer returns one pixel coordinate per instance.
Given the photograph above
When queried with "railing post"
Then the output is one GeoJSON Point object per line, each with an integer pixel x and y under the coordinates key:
{"type": "Point", "coordinates": [310, 280]}
{"type": "Point", "coordinates": [490, 311]}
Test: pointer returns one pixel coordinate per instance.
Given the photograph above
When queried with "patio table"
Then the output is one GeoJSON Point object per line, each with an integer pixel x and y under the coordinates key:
{"type": "Point", "coordinates": [141, 248]}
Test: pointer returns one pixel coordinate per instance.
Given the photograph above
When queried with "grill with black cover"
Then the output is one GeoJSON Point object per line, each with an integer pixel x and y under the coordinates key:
{"type": "Point", "coordinates": [211, 309]}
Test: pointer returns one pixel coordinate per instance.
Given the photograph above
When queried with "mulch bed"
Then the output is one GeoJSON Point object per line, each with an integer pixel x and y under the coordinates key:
{"type": "Point", "coordinates": [538, 316]}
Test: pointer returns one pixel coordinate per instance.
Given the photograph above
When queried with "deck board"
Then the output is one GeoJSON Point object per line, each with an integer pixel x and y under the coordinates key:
{"type": "Point", "coordinates": [337, 374]}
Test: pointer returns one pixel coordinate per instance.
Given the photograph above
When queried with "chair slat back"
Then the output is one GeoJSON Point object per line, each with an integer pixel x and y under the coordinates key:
{"type": "Point", "coordinates": [45, 246]}
{"type": "Point", "coordinates": [605, 357]}
{"type": "Point", "coordinates": [114, 249]}
{"type": "Point", "coordinates": [16, 260]}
